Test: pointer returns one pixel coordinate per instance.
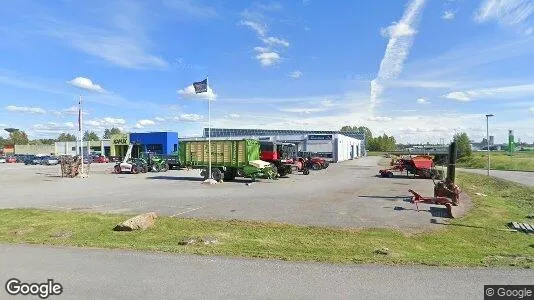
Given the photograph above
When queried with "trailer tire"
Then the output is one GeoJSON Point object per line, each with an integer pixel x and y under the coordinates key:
{"type": "Point", "coordinates": [204, 173]}
{"type": "Point", "coordinates": [389, 174]}
{"type": "Point", "coordinates": [230, 174]}
{"type": "Point", "coordinates": [117, 169]}
{"type": "Point", "coordinates": [217, 174]}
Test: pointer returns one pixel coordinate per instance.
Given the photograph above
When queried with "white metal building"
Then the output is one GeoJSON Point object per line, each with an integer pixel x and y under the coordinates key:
{"type": "Point", "coordinates": [73, 148]}
{"type": "Point", "coordinates": [335, 147]}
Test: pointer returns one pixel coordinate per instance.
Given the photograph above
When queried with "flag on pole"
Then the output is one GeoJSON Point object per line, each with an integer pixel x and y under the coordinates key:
{"type": "Point", "coordinates": [201, 86]}
{"type": "Point", "coordinates": [80, 115]}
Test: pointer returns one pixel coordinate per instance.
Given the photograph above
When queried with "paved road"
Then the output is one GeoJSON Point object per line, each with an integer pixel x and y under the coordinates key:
{"type": "Point", "coordinates": [526, 178]}
{"type": "Point", "coordinates": [110, 274]}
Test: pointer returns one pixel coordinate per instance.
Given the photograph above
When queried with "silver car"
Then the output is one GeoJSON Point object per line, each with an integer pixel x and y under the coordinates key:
{"type": "Point", "coordinates": [49, 160]}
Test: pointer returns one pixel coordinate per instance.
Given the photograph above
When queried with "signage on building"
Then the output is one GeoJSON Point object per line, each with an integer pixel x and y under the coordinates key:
{"type": "Point", "coordinates": [120, 139]}
{"type": "Point", "coordinates": [264, 139]}
{"type": "Point", "coordinates": [319, 137]}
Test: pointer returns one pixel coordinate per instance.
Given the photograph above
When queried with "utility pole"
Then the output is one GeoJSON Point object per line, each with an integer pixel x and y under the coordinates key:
{"type": "Point", "coordinates": [487, 140]}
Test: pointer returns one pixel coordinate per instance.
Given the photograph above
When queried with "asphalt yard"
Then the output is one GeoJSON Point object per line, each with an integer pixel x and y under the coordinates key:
{"type": "Point", "coordinates": [347, 194]}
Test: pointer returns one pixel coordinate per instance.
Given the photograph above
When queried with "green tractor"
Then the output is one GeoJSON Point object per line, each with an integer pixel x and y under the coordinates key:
{"type": "Point", "coordinates": [155, 163]}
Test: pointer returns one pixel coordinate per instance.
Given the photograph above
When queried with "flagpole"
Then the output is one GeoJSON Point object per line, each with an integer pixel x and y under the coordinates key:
{"type": "Point", "coordinates": [209, 130]}
{"type": "Point", "coordinates": [81, 130]}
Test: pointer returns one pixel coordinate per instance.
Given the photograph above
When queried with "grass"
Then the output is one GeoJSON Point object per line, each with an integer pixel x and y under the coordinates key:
{"type": "Point", "coordinates": [520, 161]}
{"type": "Point", "coordinates": [478, 239]}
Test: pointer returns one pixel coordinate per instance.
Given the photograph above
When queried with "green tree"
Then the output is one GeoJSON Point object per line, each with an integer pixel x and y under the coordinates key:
{"type": "Point", "coordinates": [66, 137]}
{"type": "Point", "coordinates": [463, 144]}
{"type": "Point", "coordinates": [90, 136]}
{"type": "Point", "coordinates": [3, 142]}
{"type": "Point", "coordinates": [18, 137]}
{"type": "Point", "coordinates": [109, 132]}
{"type": "Point", "coordinates": [365, 130]}
{"type": "Point", "coordinates": [382, 143]}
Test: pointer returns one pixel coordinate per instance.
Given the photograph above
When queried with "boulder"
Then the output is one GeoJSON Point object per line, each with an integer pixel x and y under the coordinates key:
{"type": "Point", "coordinates": [143, 222]}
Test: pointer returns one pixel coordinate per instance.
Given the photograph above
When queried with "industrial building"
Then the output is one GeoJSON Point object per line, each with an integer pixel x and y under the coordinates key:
{"type": "Point", "coordinates": [334, 145]}
{"type": "Point", "coordinates": [72, 148]}
{"type": "Point", "coordinates": [155, 142]}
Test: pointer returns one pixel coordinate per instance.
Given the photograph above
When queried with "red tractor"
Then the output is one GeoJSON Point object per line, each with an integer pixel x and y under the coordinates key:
{"type": "Point", "coordinates": [281, 155]}
{"type": "Point", "coordinates": [313, 161]}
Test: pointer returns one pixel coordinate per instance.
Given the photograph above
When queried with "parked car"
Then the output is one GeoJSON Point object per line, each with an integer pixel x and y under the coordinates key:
{"type": "Point", "coordinates": [100, 159]}
{"type": "Point", "coordinates": [2, 160]}
{"type": "Point", "coordinates": [87, 160]}
{"type": "Point", "coordinates": [49, 160]}
{"type": "Point", "coordinates": [31, 160]}
{"type": "Point", "coordinates": [11, 159]}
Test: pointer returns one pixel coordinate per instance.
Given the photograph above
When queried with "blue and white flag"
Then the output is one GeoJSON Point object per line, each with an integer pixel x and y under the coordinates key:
{"type": "Point", "coordinates": [201, 86]}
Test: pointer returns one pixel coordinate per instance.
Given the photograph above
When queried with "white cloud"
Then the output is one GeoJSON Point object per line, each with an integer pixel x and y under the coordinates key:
{"type": "Point", "coordinates": [487, 93]}
{"type": "Point", "coordinates": [422, 101]}
{"type": "Point", "coordinates": [295, 74]}
{"type": "Point", "coordinates": [327, 103]}
{"type": "Point", "coordinates": [192, 8]}
{"type": "Point", "coordinates": [303, 110]}
{"type": "Point", "coordinates": [233, 116]}
{"type": "Point", "coordinates": [396, 30]}
{"type": "Point", "coordinates": [159, 119]}
{"type": "Point", "coordinates": [86, 84]}
{"type": "Point", "coordinates": [531, 110]}
{"type": "Point", "coordinates": [448, 15]}
{"type": "Point", "coordinates": [275, 41]}
{"type": "Point", "coordinates": [506, 12]}
{"type": "Point", "coordinates": [24, 109]}
{"type": "Point", "coordinates": [73, 110]}
{"type": "Point", "coordinates": [261, 49]}
{"type": "Point", "coordinates": [145, 122]}
{"type": "Point", "coordinates": [52, 127]}
{"type": "Point", "coordinates": [399, 45]}
{"type": "Point", "coordinates": [105, 122]}
{"type": "Point", "coordinates": [260, 29]}
{"type": "Point", "coordinates": [268, 58]}
{"type": "Point", "coordinates": [381, 119]}
{"type": "Point", "coordinates": [188, 118]}
{"type": "Point", "coordinates": [189, 93]}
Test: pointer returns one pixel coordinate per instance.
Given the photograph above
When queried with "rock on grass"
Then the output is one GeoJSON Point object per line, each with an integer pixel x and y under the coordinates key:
{"type": "Point", "coordinates": [143, 222]}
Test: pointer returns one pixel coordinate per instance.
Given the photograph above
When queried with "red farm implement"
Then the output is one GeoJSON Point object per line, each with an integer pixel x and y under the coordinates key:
{"type": "Point", "coordinates": [283, 157]}
{"type": "Point", "coordinates": [420, 165]}
{"type": "Point", "coordinates": [446, 192]}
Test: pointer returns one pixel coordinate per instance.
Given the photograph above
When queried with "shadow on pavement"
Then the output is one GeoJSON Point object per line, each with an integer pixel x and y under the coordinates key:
{"type": "Point", "coordinates": [197, 179]}
{"type": "Point", "coordinates": [391, 198]}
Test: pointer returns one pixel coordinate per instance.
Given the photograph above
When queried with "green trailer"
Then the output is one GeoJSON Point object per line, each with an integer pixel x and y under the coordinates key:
{"type": "Point", "coordinates": [229, 159]}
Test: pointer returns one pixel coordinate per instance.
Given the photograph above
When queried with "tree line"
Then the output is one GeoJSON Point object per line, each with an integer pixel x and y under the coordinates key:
{"type": "Point", "coordinates": [19, 137]}
{"type": "Point", "coordinates": [379, 143]}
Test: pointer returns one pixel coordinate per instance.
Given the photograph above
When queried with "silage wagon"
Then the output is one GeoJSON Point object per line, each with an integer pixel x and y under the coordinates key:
{"type": "Point", "coordinates": [229, 159]}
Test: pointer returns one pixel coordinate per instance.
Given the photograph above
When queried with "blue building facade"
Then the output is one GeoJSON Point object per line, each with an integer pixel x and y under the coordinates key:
{"type": "Point", "coordinates": [156, 142]}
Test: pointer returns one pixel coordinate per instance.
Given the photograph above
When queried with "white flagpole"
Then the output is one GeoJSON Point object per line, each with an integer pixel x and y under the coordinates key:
{"type": "Point", "coordinates": [209, 130]}
{"type": "Point", "coordinates": [81, 133]}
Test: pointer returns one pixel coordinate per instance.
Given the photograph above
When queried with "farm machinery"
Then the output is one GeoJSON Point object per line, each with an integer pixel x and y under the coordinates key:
{"type": "Point", "coordinates": [283, 158]}
{"type": "Point", "coordinates": [155, 163]}
{"type": "Point", "coordinates": [313, 161]}
{"type": "Point", "coordinates": [446, 192]}
{"type": "Point", "coordinates": [420, 165]}
{"type": "Point", "coordinates": [131, 165]}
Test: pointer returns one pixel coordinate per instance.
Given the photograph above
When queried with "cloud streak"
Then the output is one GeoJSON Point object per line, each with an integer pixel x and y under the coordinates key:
{"type": "Point", "coordinates": [399, 45]}
{"type": "Point", "coordinates": [24, 109]}
{"type": "Point", "coordinates": [511, 91]}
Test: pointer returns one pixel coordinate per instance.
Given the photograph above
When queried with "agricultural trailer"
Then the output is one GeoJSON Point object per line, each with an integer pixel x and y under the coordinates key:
{"type": "Point", "coordinates": [446, 192]}
{"type": "Point", "coordinates": [421, 166]}
{"type": "Point", "coordinates": [229, 159]}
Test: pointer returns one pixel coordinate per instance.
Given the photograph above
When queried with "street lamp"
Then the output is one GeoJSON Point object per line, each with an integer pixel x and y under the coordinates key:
{"type": "Point", "coordinates": [487, 140]}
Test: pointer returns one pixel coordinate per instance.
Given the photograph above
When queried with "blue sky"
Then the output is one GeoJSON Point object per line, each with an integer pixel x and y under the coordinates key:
{"type": "Point", "coordinates": [420, 70]}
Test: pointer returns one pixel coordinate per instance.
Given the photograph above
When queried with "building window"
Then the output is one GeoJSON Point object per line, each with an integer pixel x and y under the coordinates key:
{"type": "Point", "coordinates": [73, 149]}
{"type": "Point", "coordinates": [175, 147]}
{"type": "Point", "coordinates": [155, 148]}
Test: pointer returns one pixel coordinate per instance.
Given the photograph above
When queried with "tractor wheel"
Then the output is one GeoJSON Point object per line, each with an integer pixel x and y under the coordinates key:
{"type": "Point", "coordinates": [217, 174]}
{"type": "Point", "coordinates": [157, 168]}
{"type": "Point", "coordinates": [204, 173]}
{"type": "Point", "coordinates": [316, 166]}
{"type": "Point", "coordinates": [390, 174]}
{"type": "Point", "coordinates": [165, 168]}
{"type": "Point", "coordinates": [306, 171]}
{"type": "Point", "coordinates": [326, 164]}
{"type": "Point", "coordinates": [229, 175]}
{"type": "Point", "coordinates": [135, 170]}
{"type": "Point", "coordinates": [117, 169]}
